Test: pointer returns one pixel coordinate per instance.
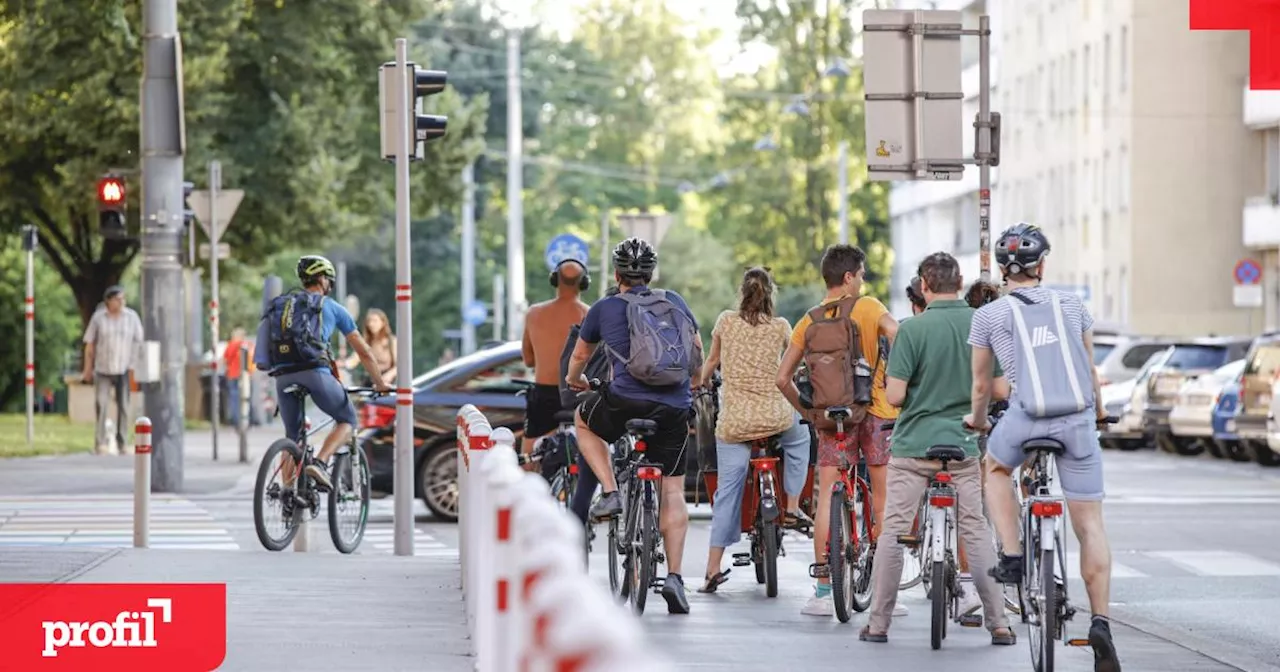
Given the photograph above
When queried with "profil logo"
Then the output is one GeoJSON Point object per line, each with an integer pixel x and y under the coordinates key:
{"type": "Point", "coordinates": [106, 627]}
{"type": "Point", "coordinates": [1261, 18]}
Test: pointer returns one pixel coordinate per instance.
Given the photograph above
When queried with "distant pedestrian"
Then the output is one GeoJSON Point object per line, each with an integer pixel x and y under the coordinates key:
{"type": "Point", "coordinates": [111, 344]}
{"type": "Point", "coordinates": [235, 366]}
{"type": "Point", "coordinates": [381, 340]}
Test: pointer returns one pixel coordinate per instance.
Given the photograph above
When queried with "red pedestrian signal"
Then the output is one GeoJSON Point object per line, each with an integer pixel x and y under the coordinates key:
{"type": "Point", "coordinates": [111, 193]}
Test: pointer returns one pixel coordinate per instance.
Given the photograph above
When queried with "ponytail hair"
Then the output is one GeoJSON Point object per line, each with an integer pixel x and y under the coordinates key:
{"type": "Point", "coordinates": [756, 303]}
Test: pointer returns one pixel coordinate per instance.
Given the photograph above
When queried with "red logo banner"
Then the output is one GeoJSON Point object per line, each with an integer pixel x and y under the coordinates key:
{"type": "Point", "coordinates": [1261, 18]}
{"type": "Point", "coordinates": [107, 627]}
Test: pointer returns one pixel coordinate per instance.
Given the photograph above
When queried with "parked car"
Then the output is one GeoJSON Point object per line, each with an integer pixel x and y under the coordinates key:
{"type": "Point", "coordinates": [1256, 393]}
{"type": "Point", "coordinates": [489, 379]}
{"type": "Point", "coordinates": [1269, 455]}
{"type": "Point", "coordinates": [1226, 442]}
{"type": "Point", "coordinates": [1128, 433]}
{"type": "Point", "coordinates": [1189, 360]}
{"type": "Point", "coordinates": [1191, 419]}
{"type": "Point", "coordinates": [1119, 357]}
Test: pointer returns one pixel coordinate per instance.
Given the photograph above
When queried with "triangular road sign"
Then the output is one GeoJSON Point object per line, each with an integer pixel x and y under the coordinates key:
{"type": "Point", "coordinates": [228, 201]}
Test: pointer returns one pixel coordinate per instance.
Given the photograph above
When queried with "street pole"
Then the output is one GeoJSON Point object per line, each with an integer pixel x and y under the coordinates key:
{"type": "Point", "coordinates": [843, 186]}
{"type": "Point", "coordinates": [340, 289]}
{"type": "Point", "coordinates": [983, 148]}
{"type": "Point", "coordinates": [29, 310]}
{"type": "Point", "coordinates": [404, 318]}
{"type": "Point", "coordinates": [468, 255]}
{"type": "Point", "coordinates": [499, 306]}
{"type": "Point", "coordinates": [246, 388]}
{"type": "Point", "coordinates": [604, 252]}
{"type": "Point", "coordinates": [215, 388]}
{"type": "Point", "coordinates": [163, 144]}
{"type": "Point", "coordinates": [515, 188]}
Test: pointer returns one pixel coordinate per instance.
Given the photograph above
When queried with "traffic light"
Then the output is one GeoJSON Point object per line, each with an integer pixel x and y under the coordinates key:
{"type": "Point", "coordinates": [423, 127]}
{"type": "Point", "coordinates": [112, 204]}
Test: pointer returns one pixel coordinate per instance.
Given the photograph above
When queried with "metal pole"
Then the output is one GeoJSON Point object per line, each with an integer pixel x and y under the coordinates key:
{"type": "Point", "coordinates": [468, 255]}
{"type": "Point", "coordinates": [515, 187]}
{"type": "Point", "coordinates": [215, 387]}
{"type": "Point", "coordinates": [404, 318]}
{"type": "Point", "coordinates": [499, 306]}
{"type": "Point", "coordinates": [29, 311]}
{"type": "Point", "coordinates": [142, 482]}
{"type": "Point", "coordinates": [340, 289]}
{"type": "Point", "coordinates": [983, 149]}
{"type": "Point", "coordinates": [246, 389]}
{"type": "Point", "coordinates": [163, 145]}
{"type": "Point", "coordinates": [604, 252]}
{"type": "Point", "coordinates": [843, 186]}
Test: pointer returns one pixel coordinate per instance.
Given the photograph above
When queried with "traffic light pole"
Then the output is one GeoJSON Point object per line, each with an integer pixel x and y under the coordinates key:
{"type": "Point", "coordinates": [515, 192]}
{"type": "Point", "coordinates": [215, 388]}
{"type": "Point", "coordinates": [29, 310]}
{"type": "Point", "coordinates": [162, 208]}
{"type": "Point", "coordinates": [468, 255]}
{"type": "Point", "coordinates": [404, 308]}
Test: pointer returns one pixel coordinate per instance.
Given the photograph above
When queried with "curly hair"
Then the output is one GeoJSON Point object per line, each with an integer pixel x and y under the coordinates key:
{"type": "Point", "coordinates": [981, 293]}
{"type": "Point", "coordinates": [756, 304]}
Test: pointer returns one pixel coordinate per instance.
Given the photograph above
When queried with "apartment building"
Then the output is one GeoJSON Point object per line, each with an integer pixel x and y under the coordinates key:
{"type": "Point", "coordinates": [1123, 138]}
{"type": "Point", "coordinates": [1261, 221]}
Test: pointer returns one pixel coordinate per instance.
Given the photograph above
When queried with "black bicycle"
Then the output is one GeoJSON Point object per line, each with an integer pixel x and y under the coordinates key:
{"type": "Point", "coordinates": [637, 543]}
{"type": "Point", "coordinates": [298, 496]}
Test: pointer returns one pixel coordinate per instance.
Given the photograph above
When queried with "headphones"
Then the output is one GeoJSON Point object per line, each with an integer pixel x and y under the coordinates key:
{"type": "Point", "coordinates": [584, 282]}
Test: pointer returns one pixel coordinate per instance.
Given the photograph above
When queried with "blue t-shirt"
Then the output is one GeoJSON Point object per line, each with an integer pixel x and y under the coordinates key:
{"type": "Point", "coordinates": [607, 321]}
{"type": "Point", "coordinates": [333, 316]}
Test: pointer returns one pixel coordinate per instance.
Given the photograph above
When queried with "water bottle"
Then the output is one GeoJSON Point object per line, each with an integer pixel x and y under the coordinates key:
{"type": "Point", "coordinates": [862, 378]}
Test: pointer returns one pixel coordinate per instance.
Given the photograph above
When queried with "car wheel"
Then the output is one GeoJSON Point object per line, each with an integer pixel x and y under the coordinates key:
{"type": "Point", "coordinates": [438, 480]}
{"type": "Point", "coordinates": [1129, 445]}
{"type": "Point", "coordinates": [1188, 447]}
{"type": "Point", "coordinates": [1240, 451]}
{"type": "Point", "coordinates": [1262, 454]}
{"type": "Point", "coordinates": [1215, 449]}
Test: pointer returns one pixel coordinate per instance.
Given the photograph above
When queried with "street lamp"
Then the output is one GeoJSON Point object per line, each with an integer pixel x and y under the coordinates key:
{"type": "Point", "coordinates": [838, 69]}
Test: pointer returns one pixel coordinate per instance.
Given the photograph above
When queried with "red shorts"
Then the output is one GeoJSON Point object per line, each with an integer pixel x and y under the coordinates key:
{"type": "Point", "coordinates": [867, 440]}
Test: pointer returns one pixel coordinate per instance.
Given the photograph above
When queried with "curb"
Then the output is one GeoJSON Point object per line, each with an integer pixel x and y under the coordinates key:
{"type": "Point", "coordinates": [1218, 651]}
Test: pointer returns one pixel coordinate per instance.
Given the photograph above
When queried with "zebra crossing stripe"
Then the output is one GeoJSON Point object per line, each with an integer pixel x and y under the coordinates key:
{"type": "Point", "coordinates": [1218, 563]}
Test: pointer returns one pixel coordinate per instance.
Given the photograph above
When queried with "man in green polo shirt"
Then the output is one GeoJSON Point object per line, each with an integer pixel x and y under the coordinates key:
{"type": "Point", "coordinates": [930, 378]}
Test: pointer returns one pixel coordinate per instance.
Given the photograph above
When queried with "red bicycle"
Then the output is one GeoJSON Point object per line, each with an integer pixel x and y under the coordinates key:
{"type": "Point", "coordinates": [850, 547]}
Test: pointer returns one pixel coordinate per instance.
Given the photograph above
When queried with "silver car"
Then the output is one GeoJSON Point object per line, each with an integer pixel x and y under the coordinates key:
{"type": "Point", "coordinates": [1191, 418]}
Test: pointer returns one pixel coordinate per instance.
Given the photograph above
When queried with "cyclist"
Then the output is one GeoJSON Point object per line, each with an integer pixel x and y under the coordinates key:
{"type": "Point", "coordinates": [747, 345]}
{"type": "Point", "coordinates": [297, 328]}
{"type": "Point", "coordinates": [916, 296]}
{"type": "Point", "coordinates": [1046, 336]}
{"type": "Point", "coordinates": [653, 339]}
{"type": "Point", "coordinates": [929, 379]}
{"type": "Point", "coordinates": [546, 329]}
{"type": "Point", "coordinates": [843, 271]}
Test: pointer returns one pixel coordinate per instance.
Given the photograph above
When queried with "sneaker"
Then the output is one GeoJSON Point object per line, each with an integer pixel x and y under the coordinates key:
{"type": "Point", "coordinates": [821, 603]}
{"type": "Point", "coordinates": [610, 505]}
{"type": "Point", "coordinates": [899, 611]}
{"type": "Point", "coordinates": [1104, 649]}
{"type": "Point", "coordinates": [970, 602]}
{"type": "Point", "coordinates": [1008, 569]}
{"type": "Point", "coordinates": [317, 473]}
{"type": "Point", "coordinates": [673, 593]}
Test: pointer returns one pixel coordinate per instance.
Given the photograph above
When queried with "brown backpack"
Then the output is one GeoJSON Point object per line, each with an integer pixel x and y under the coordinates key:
{"type": "Point", "coordinates": [832, 349]}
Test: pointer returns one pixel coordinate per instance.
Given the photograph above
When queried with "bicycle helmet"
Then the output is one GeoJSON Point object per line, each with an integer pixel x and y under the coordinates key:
{"type": "Point", "coordinates": [1020, 249]}
{"type": "Point", "coordinates": [313, 266]}
{"type": "Point", "coordinates": [915, 294]}
{"type": "Point", "coordinates": [634, 257]}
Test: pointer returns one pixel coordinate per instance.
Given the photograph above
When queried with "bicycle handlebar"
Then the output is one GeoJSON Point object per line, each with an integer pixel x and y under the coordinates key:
{"type": "Point", "coordinates": [369, 391]}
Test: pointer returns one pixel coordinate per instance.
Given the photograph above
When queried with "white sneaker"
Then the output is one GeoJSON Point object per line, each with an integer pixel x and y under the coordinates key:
{"type": "Point", "coordinates": [819, 606]}
{"type": "Point", "coordinates": [970, 602]}
{"type": "Point", "coordinates": [899, 611]}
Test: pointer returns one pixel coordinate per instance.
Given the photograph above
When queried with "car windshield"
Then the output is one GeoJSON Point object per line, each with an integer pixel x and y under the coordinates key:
{"type": "Point", "coordinates": [1100, 352]}
{"type": "Point", "coordinates": [1156, 360]}
{"type": "Point", "coordinates": [1197, 357]}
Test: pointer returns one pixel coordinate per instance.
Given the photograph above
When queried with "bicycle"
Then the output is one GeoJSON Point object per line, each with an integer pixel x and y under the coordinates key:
{"type": "Point", "coordinates": [349, 475]}
{"type": "Point", "coordinates": [942, 571]}
{"type": "Point", "coordinates": [638, 542]}
{"type": "Point", "coordinates": [850, 548]}
{"type": "Point", "coordinates": [761, 508]}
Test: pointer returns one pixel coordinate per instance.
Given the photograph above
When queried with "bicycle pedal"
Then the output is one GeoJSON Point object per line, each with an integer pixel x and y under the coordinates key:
{"type": "Point", "coordinates": [908, 540]}
{"type": "Point", "coordinates": [1078, 641]}
{"type": "Point", "coordinates": [971, 621]}
{"type": "Point", "coordinates": [819, 571]}
{"type": "Point", "coordinates": [741, 559]}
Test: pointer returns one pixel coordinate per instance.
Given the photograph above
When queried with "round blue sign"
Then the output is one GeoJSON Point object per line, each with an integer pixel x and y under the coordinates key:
{"type": "Point", "coordinates": [566, 246]}
{"type": "Point", "coordinates": [1247, 272]}
{"type": "Point", "coordinates": [475, 313]}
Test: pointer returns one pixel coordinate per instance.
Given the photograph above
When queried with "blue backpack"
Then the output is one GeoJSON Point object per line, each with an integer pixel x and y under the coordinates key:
{"type": "Point", "coordinates": [663, 351]}
{"type": "Point", "coordinates": [295, 331]}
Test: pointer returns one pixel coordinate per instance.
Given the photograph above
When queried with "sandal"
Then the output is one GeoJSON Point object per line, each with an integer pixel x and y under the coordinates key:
{"type": "Point", "coordinates": [1006, 639]}
{"type": "Point", "coordinates": [867, 636]}
{"type": "Point", "coordinates": [714, 581]}
{"type": "Point", "coordinates": [797, 521]}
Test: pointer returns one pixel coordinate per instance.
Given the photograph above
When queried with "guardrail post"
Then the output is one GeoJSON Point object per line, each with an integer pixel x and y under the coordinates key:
{"type": "Point", "coordinates": [302, 540]}
{"type": "Point", "coordinates": [142, 483]}
{"type": "Point", "coordinates": [503, 474]}
{"type": "Point", "coordinates": [474, 446]}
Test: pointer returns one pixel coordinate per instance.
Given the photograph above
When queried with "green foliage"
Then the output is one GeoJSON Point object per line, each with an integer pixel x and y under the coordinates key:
{"type": "Point", "coordinates": [57, 329]}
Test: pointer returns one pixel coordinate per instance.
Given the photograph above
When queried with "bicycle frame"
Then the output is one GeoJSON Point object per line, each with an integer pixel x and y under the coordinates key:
{"type": "Point", "coordinates": [942, 519]}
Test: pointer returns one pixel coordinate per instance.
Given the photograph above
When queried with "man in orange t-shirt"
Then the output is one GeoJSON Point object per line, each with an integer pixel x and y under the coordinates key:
{"type": "Point", "coordinates": [234, 368]}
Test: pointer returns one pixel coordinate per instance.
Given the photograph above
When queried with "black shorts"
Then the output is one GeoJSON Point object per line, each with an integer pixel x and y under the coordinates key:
{"type": "Point", "coordinates": [606, 416]}
{"type": "Point", "coordinates": [542, 403]}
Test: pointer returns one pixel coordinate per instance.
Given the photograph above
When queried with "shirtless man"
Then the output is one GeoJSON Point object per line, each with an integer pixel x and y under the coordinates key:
{"type": "Point", "coordinates": [546, 328]}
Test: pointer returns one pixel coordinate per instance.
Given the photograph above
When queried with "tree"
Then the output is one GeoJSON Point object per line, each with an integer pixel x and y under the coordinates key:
{"type": "Point", "coordinates": [55, 332]}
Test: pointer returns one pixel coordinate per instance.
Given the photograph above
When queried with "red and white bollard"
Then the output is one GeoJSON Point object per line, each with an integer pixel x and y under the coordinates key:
{"type": "Point", "coordinates": [142, 483]}
{"type": "Point", "coordinates": [302, 540]}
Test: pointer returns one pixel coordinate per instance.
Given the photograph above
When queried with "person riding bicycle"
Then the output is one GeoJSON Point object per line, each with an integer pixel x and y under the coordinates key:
{"type": "Point", "coordinates": [746, 345]}
{"type": "Point", "coordinates": [929, 380]}
{"type": "Point", "coordinates": [296, 329]}
{"type": "Point", "coordinates": [839, 342]}
{"type": "Point", "coordinates": [652, 337]}
{"type": "Point", "coordinates": [1043, 339]}
{"type": "Point", "coordinates": [546, 328]}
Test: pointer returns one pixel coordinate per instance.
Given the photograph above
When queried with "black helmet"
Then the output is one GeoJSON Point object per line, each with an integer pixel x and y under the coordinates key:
{"type": "Point", "coordinates": [313, 266]}
{"type": "Point", "coordinates": [915, 294]}
{"type": "Point", "coordinates": [1021, 248]}
{"type": "Point", "coordinates": [634, 257]}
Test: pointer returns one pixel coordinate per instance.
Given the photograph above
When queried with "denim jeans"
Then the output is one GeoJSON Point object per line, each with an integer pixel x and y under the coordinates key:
{"type": "Point", "coordinates": [733, 461]}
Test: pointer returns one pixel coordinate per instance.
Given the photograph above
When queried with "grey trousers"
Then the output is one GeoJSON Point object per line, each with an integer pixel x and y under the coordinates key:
{"type": "Point", "coordinates": [103, 385]}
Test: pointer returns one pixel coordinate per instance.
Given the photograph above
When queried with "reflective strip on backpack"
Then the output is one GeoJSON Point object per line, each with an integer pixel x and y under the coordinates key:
{"type": "Point", "coordinates": [1066, 353]}
{"type": "Point", "coordinates": [1033, 371]}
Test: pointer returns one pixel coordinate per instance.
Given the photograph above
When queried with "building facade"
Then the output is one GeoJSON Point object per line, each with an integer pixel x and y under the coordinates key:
{"type": "Point", "coordinates": [1123, 138]}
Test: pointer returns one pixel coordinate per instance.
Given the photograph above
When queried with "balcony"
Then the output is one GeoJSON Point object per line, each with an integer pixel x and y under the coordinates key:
{"type": "Point", "coordinates": [1261, 223]}
{"type": "Point", "coordinates": [1261, 108]}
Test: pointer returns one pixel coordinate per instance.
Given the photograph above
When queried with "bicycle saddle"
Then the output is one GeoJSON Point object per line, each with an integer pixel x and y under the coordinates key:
{"type": "Point", "coordinates": [1043, 444]}
{"type": "Point", "coordinates": [563, 417]}
{"type": "Point", "coordinates": [839, 412]}
{"type": "Point", "coordinates": [297, 390]}
{"type": "Point", "coordinates": [642, 427]}
{"type": "Point", "coordinates": [766, 442]}
{"type": "Point", "coordinates": [950, 453]}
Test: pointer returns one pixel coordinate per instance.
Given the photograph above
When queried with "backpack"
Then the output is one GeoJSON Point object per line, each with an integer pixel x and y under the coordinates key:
{"type": "Point", "coordinates": [1052, 365]}
{"type": "Point", "coordinates": [295, 332]}
{"type": "Point", "coordinates": [663, 353]}
{"type": "Point", "coordinates": [839, 374]}
{"type": "Point", "coordinates": [597, 367]}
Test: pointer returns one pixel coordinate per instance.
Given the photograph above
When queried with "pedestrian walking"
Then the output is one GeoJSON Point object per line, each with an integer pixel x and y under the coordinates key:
{"type": "Point", "coordinates": [111, 344]}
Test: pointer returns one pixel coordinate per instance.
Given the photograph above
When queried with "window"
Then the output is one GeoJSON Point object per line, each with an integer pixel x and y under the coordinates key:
{"type": "Point", "coordinates": [1106, 65]}
{"type": "Point", "coordinates": [1084, 233]}
{"type": "Point", "coordinates": [1124, 295]}
{"type": "Point", "coordinates": [505, 378]}
{"type": "Point", "coordinates": [1139, 354]}
{"type": "Point", "coordinates": [1107, 187]}
{"type": "Point", "coordinates": [1122, 166]}
{"type": "Point", "coordinates": [1123, 71]}
{"type": "Point", "coordinates": [1106, 278]}
{"type": "Point", "coordinates": [1084, 80]}
{"type": "Point", "coordinates": [1071, 81]}
{"type": "Point", "coordinates": [1106, 235]}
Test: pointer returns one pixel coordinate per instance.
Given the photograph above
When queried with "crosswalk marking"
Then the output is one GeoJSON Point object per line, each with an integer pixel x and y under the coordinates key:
{"type": "Point", "coordinates": [1118, 570]}
{"type": "Point", "coordinates": [107, 521]}
{"type": "Point", "coordinates": [1219, 563]}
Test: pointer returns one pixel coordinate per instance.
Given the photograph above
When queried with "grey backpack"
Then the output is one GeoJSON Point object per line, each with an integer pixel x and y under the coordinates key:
{"type": "Point", "coordinates": [1053, 367]}
{"type": "Point", "coordinates": [663, 351]}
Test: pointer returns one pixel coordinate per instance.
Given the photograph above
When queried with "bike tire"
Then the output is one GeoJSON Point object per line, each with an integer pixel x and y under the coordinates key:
{"type": "Point", "coordinates": [769, 541]}
{"type": "Point", "coordinates": [344, 468]}
{"type": "Point", "coordinates": [862, 560]}
{"type": "Point", "coordinates": [264, 473]}
{"type": "Point", "coordinates": [616, 559]}
{"type": "Point", "coordinates": [1048, 619]}
{"type": "Point", "coordinates": [643, 562]}
{"type": "Point", "coordinates": [940, 596]}
{"type": "Point", "coordinates": [838, 556]}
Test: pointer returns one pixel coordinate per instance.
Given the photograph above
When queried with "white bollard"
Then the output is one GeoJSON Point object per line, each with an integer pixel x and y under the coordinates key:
{"type": "Point", "coordinates": [302, 540]}
{"type": "Point", "coordinates": [503, 474]}
{"type": "Point", "coordinates": [142, 483]}
{"type": "Point", "coordinates": [483, 562]}
{"type": "Point", "coordinates": [476, 442]}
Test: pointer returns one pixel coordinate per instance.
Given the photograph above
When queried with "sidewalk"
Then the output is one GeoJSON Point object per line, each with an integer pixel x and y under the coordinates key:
{"type": "Point", "coordinates": [295, 611]}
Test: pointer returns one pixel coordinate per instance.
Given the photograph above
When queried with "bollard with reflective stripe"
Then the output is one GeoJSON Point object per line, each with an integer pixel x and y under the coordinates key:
{"type": "Point", "coordinates": [503, 474]}
{"type": "Point", "coordinates": [142, 483]}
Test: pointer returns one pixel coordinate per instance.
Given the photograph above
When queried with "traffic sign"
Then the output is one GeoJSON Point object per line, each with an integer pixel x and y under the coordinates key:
{"type": "Point", "coordinates": [475, 313]}
{"type": "Point", "coordinates": [652, 228]}
{"type": "Point", "coordinates": [224, 250]}
{"type": "Point", "coordinates": [1247, 272]}
{"type": "Point", "coordinates": [228, 201]}
{"type": "Point", "coordinates": [565, 246]}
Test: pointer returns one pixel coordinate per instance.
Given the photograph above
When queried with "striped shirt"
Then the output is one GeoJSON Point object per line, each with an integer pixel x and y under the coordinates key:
{"type": "Point", "coordinates": [993, 324]}
{"type": "Point", "coordinates": [115, 339]}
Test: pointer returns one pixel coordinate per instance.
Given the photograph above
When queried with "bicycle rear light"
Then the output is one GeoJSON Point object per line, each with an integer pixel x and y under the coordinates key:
{"type": "Point", "coordinates": [839, 436]}
{"type": "Point", "coordinates": [573, 470]}
{"type": "Point", "coordinates": [648, 473]}
{"type": "Point", "coordinates": [1046, 509]}
{"type": "Point", "coordinates": [942, 501]}
{"type": "Point", "coordinates": [942, 477]}
{"type": "Point", "coordinates": [640, 447]}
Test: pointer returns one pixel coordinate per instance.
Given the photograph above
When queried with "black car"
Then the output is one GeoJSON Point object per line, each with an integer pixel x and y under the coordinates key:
{"type": "Point", "coordinates": [489, 379]}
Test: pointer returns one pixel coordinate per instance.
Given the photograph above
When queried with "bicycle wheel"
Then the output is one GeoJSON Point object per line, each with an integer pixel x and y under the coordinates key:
{"type": "Point", "coordinates": [940, 595]}
{"type": "Point", "coordinates": [349, 500]}
{"type": "Point", "coordinates": [913, 563]}
{"type": "Point", "coordinates": [862, 550]}
{"type": "Point", "coordinates": [838, 556]}
{"type": "Point", "coordinates": [267, 492]}
{"type": "Point", "coordinates": [769, 548]}
{"type": "Point", "coordinates": [642, 561]}
{"type": "Point", "coordinates": [616, 559]}
{"type": "Point", "coordinates": [1044, 624]}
